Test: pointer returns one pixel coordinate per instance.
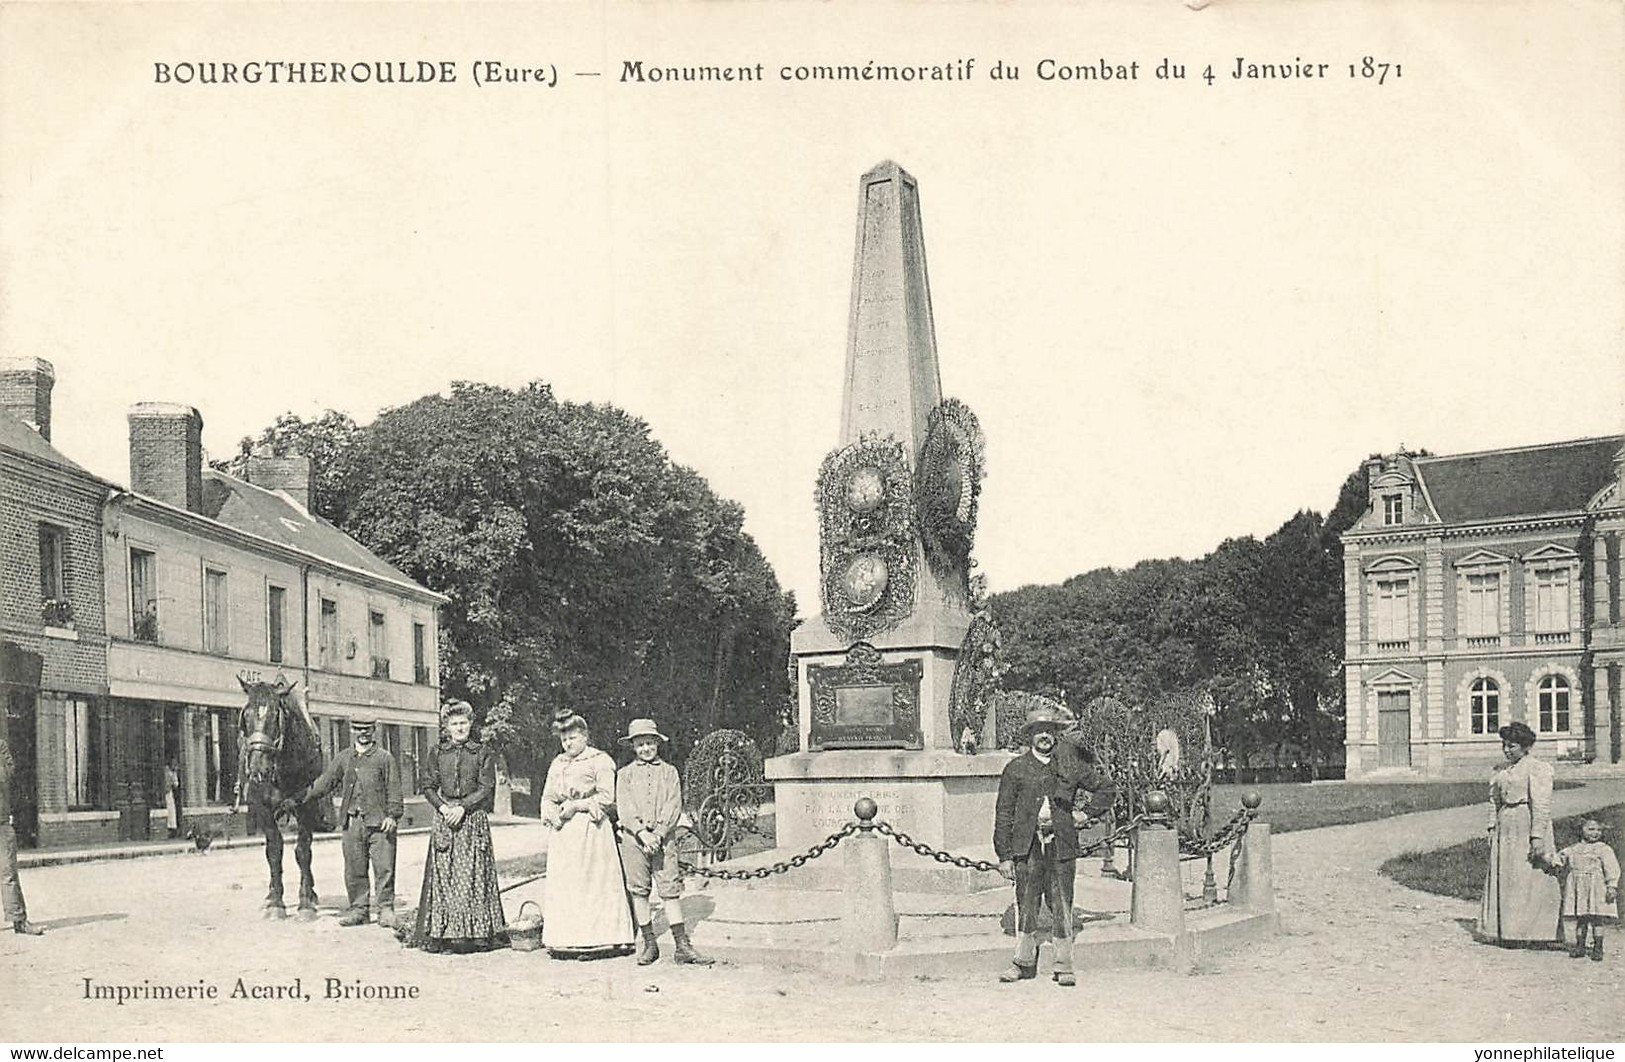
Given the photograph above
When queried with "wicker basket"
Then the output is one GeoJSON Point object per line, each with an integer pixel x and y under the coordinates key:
{"type": "Point", "coordinates": [525, 933]}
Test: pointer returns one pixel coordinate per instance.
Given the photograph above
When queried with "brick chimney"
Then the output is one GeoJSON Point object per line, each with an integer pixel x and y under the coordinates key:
{"type": "Point", "coordinates": [25, 391]}
{"type": "Point", "coordinates": [290, 474]}
{"type": "Point", "coordinates": [166, 453]}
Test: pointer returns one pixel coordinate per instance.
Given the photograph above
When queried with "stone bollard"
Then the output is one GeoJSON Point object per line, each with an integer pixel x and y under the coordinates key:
{"type": "Point", "coordinates": [868, 912]}
{"type": "Point", "coordinates": [1158, 903]}
{"type": "Point", "coordinates": [1254, 887]}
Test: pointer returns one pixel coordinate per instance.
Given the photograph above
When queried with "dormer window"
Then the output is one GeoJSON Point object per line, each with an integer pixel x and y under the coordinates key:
{"type": "Point", "coordinates": [1393, 509]}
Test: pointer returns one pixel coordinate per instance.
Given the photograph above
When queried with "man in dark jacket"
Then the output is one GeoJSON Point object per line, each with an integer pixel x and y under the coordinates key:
{"type": "Point", "coordinates": [11, 890]}
{"type": "Point", "coordinates": [1036, 842]}
{"type": "Point", "coordinates": [370, 781]}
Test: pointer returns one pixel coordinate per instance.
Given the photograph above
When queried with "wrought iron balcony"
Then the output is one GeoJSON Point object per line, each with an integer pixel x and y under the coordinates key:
{"type": "Point", "coordinates": [420, 675]}
{"type": "Point", "coordinates": [144, 626]}
{"type": "Point", "coordinates": [380, 667]}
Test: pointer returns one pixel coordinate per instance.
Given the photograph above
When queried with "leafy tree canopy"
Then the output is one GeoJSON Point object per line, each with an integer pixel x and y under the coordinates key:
{"type": "Point", "coordinates": [1258, 625]}
{"type": "Point", "coordinates": [584, 567]}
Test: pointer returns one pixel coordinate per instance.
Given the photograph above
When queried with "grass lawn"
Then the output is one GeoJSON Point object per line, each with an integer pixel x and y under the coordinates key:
{"type": "Point", "coordinates": [1459, 870]}
{"type": "Point", "coordinates": [1296, 806]}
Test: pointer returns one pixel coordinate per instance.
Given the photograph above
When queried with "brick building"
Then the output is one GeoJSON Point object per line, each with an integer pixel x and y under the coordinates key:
{"type": "Point", "coordinates": [129, 617]}
{"type": "Point", "coordinates": [53, 645]}
{"type": "Point", "coordinates": [1480, 589]}
{"type": "Point", "coordinates": [213, 580]}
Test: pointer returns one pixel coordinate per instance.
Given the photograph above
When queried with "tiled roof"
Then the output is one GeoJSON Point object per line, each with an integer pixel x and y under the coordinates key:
{"type": "Point", "coordinates": [1554, 478]}
{"type": "Point", "coordinates": [15, 435]}
{"type": "Point", "coordinates": [271, 515]}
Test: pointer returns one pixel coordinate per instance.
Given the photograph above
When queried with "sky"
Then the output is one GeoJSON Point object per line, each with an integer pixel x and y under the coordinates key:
{"type": "Point", "coordinates": [1182, 311]}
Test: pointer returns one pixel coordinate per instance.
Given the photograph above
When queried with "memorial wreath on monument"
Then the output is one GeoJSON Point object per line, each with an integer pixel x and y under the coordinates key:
{"type": "Point", "coordinates": [865, 502]}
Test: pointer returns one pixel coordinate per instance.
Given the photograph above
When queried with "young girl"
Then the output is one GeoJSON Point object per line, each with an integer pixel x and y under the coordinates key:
{"type": "Point", "coordinates": [1590, 888]}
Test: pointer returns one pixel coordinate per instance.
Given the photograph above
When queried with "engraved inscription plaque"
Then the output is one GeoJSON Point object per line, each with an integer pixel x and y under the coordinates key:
{"type": "Point", "coordinates": [865, 702]}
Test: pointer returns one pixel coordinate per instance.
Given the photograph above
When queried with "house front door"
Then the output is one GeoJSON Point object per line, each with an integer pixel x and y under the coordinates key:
{"type": "Point", "coordinates": [1394, 729]}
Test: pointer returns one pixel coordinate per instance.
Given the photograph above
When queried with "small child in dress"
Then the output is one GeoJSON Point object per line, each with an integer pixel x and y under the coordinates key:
{"type": "Point", "coordinates": [1590, 889]}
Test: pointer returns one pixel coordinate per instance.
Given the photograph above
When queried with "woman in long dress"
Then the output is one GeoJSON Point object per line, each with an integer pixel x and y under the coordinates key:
{"type": "Point", "coordinates": [1522, 894]}
{"type": "Point", "coordinates": [586, 913]}
{"type": "Point", "coordinates": [172, 803]}
{"type": "Point", "coordinates": [461, 909]}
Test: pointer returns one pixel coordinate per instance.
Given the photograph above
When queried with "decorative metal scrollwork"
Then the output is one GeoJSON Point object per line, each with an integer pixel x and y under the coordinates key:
{"type": "Point", "coordinates": [724, 788]}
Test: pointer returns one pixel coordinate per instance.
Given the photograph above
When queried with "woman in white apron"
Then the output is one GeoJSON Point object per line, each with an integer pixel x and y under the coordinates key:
{"type": "Point", "coordinates": [586, 914]}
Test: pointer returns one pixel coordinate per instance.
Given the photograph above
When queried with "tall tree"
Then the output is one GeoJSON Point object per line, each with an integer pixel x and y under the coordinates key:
{"type": "Point", "coordinates": [583, 567]}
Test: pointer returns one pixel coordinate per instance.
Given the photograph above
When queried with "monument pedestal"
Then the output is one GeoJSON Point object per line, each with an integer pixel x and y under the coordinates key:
{"type": "Point", "coordinates": [934, 795]}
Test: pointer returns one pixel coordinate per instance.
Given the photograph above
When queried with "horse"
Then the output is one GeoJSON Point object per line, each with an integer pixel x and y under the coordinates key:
{"type": "Point", "coordinates": [279, 756]}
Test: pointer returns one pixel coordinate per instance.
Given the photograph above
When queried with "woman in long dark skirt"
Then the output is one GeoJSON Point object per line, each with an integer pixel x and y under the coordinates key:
{"type": "Point", "coordinates": [462, 907]}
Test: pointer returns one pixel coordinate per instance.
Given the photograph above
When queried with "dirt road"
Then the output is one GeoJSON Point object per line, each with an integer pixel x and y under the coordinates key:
{"type": "Point", "coordinates": [1360, 959]}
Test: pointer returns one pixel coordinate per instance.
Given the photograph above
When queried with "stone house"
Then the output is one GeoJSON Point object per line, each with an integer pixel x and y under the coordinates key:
{"type": "Point", "coordinates": [53, 645]}
{"type": "Point", "coordinates": [130, 617]}
{"type": "Point", "coordinates": [1480, 589]}
{"type": "Point", "coordinates": [214, 580]}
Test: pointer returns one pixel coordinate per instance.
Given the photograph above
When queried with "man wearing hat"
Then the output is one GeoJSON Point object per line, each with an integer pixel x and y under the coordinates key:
{"type": "Point", "coordinates": [371, 784]}
{"type": "Point", "coordinates": [1036, 842]}
{"type": "Point", "coordinates": [649, 801]}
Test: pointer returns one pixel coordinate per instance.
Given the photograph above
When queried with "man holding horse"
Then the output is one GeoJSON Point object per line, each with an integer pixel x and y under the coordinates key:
{"type": "Point", "coordinates": [370, 781]}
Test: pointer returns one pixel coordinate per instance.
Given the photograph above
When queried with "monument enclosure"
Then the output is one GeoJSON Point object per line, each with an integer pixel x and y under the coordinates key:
{"type": "Point", "coordinates": [880, 712]}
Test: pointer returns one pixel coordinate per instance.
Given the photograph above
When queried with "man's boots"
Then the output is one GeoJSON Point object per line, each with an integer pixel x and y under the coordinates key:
{"type": "Point", "coordinates": [29, 929]}
{"type": "Point", "coordinates": [1578, 950]}
{"type": "Point", "coordinates": [684, 952]}
{"type": "Point", "coordinates": [1596, 947]}
{"type": "Point", "coordinates": [355, 916]}
{"type": "Point", "coordinates": [648, 948]}
{"type": "Point", "coordinates": [386, 916]}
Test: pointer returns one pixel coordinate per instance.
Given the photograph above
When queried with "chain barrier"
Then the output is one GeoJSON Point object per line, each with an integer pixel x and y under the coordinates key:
{"type": "Point", "coordinates": [886, 829]}
{"type": "Point", "coordinates": [1197, 848]}
{"type": "Point", "coordinates": [1111, 840]}
{"type": "Point", "coordinates": [799, 860]}
{"type": "Point", "coordinates": [1235, 853]}
{"type": "Point", "coordinates": [1231, 833]}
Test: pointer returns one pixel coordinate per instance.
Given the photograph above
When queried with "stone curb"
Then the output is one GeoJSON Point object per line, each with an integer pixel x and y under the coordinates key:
{"type": "Point", "coordinates": [51, 858]}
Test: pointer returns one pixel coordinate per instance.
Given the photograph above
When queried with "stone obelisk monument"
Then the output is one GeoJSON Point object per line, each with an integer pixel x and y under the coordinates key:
{"type": "Point", "coordinates": [896, 500]}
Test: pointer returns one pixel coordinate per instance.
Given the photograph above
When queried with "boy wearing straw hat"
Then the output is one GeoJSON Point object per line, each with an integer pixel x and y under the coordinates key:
{"type": "Point", "coordinates": [649, 801]}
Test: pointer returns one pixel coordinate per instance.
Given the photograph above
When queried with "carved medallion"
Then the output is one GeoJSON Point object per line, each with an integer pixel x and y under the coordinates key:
{"type": "Point", "coordinates": [864, 581]}
{"type": "Point", "coordinates": [866, 490]}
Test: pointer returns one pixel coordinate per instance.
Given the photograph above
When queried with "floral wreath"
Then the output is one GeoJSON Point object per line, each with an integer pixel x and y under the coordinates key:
{"type": "Point", "coordinates": [884, 530]}
{"type": "Point", "coordinates": [947, 483]}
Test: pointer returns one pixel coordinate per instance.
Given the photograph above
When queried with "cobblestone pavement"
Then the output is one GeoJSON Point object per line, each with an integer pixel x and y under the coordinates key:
{"type": "Point", "coordinates": [1359, 959]}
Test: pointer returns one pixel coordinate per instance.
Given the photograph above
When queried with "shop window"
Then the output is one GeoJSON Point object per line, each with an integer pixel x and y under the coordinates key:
{"type": "Point", "coordinates": [81, 741]}
{"type": "Point", "coordinates": [220, 755]}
